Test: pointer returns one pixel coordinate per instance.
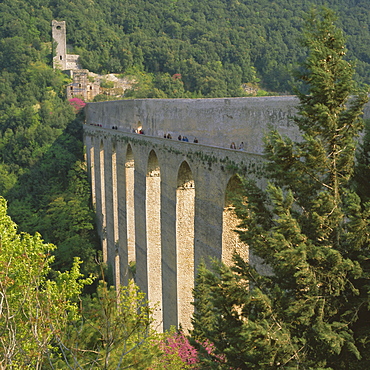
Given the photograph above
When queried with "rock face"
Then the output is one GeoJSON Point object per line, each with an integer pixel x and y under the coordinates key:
{"type": "Point", "coordinates": [165, 204]}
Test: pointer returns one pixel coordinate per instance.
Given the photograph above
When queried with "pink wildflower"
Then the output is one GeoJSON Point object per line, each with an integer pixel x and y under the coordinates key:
{"type": "Point", "coordinates": [179, 344]}
{"type": "Point", "coordinates": [77, 103]}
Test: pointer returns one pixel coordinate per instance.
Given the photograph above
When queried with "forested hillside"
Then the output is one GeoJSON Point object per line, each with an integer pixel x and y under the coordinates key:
{"type": "Point", "coordinates": [216, 45]}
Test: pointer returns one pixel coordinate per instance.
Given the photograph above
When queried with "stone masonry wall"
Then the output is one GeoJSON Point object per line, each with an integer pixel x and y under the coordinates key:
{"type": "Point", "coordinates": [217, 122]}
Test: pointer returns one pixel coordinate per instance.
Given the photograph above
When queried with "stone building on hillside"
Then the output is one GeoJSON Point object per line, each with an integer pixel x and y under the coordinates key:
{"type": "Point", "coordinates": [81, 85]}
{"type": "Point", "coordinates": [69, 63]}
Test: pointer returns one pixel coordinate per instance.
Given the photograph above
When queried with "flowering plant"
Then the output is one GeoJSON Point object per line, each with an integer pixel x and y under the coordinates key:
{"type": "Point", "coordinates": [77, 103]}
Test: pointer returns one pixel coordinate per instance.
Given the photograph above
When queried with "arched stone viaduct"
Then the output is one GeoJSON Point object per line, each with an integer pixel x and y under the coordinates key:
{"type": "Point", "coordinates": [161, 204]}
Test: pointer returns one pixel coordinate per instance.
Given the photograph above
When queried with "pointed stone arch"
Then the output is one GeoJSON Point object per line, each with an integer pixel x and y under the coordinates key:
{"type": "Point", "coordinates": [130, 205]}
{"type": "Point", "coordinates": [185, 214]}
{"type": "Point", "coordinates": [153, 237]}
{"type": "Point", "coordinates": [230, 222]}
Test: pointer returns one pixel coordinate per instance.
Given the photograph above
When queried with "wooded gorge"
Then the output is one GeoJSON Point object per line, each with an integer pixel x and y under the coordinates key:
{"type": "Point", "coordinates": [173, 49]}
{"type": "Point", "coordinates": [213, 47]}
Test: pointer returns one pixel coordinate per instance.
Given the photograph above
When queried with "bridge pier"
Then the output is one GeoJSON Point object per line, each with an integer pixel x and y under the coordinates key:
{"type": "Point", "coordinates": [169, 255]}
{"type": "Point", "coordinates": [109, 213]}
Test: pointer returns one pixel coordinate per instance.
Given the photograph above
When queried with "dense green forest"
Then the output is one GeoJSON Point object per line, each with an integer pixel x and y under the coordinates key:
{"type": "Point", "coordinates": [214, 45]}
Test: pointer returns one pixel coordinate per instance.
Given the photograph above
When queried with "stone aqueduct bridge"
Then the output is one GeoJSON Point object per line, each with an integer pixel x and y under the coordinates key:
{"type": "Point", "coordinates": [162, 205]}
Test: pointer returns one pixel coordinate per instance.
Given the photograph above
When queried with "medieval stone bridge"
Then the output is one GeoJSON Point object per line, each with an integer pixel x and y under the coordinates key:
{"type": "Point", "coordinates": [163, 204]}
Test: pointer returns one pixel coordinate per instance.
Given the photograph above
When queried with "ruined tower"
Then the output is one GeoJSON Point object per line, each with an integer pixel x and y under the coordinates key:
{"type": "Point", "coordinates": [59, 37]}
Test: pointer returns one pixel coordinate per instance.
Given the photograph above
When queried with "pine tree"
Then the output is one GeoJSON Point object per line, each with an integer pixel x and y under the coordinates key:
{"type": "Point", "coordinates": [202, 317]}
{"type": "Point", "coordinates": [313, 232]}
{"type": "Point", "coordinates": [361, 178]}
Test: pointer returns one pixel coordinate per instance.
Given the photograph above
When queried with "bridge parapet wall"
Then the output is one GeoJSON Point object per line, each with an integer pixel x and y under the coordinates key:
{"type": "Point", "coordinates": [217, 122]}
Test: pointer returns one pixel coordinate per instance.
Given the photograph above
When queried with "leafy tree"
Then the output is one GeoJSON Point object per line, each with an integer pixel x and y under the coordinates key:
{"type": "Point", "coordinates": [114, 331]}
{"type": "Point", "coordinates": [311, 230]}
{"type": "Point", "coordinates": [178, 353]}
{"type": "Point", "coordinates": [34, 310]}
{"type": "Point", "coordinates": [47, 324]}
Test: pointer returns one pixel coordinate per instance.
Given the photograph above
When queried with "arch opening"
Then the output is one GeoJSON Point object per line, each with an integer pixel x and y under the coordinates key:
{"type": "Point", "coordinates": [185, 212]}
{"type": "Point", "coordinates": [153, 237]}
{"type": "Point", "coordinates": [115, 218]}
{"type": "Point", "coordinates": [103, 207]}
{"type": "Point", "coordinates": [130, 208]}
{"type": "Point", "coordinates": [230, 222]}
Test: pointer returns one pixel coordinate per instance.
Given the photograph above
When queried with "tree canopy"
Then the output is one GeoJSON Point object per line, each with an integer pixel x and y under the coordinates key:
{"type": "Point", "coordinates": [34, 310]}
{"type": "Point", "coordinates": [215, 46]}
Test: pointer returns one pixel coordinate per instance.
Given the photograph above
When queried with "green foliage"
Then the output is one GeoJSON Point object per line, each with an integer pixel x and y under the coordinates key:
{"type": "Point", "coordinates": [107, 84]}
{"type": "Point", "coordinates": [113, 331]}
{"type": "Point", "coordinates": [56, 191]}
{"type": "Point", "coordinates": [215, 46]}
{"type": "Point", "coordinates": [33, 309]}
{"type": "Point", "coordinates": [203, 317]}
{"type": "Point", "coordinates": [362, 169]}
{"type": "Point", "coordinates": [309, 308]}
{"type": "Point", "coordinates": [47, 324]}
{"type": "Point", "coordinates": [41, 151]}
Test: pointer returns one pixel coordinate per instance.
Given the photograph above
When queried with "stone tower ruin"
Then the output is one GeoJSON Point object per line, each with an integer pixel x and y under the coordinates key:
{"type": "Point", "coordinates": [59, 37]}
{"type": "Point", "coordinates": [69, 64]}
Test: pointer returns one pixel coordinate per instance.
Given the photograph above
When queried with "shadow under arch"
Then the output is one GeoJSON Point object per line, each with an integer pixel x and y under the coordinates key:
{"type": "Point", "coordinates": [230, 222]}
{"type": "Point", "coordinates": [117, 258]}
{"type": "Point", "coordinates": [91, 168]}
{"type": "Point", "coordinates": [153, 237]}
{"type": "Point", "coordinates": [185, 215]}
{"type": "Point", "coordinates": [102, 201]}
{"type": "Point", "coordinates": [130, 208]}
